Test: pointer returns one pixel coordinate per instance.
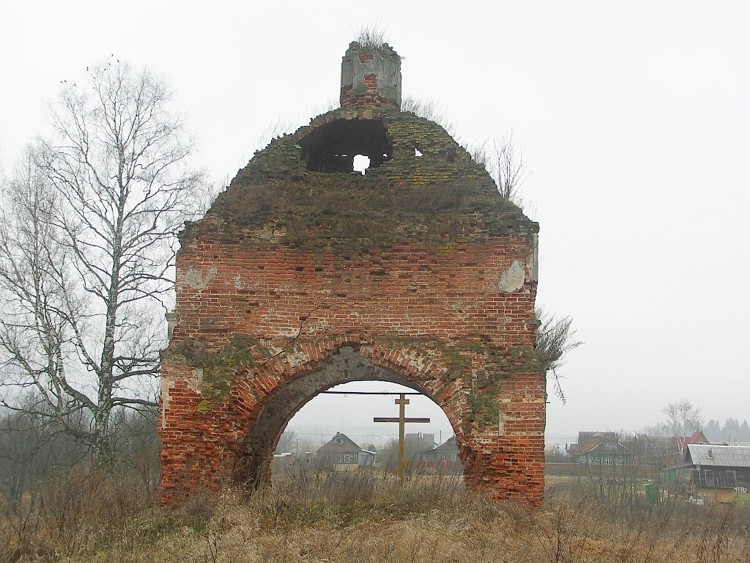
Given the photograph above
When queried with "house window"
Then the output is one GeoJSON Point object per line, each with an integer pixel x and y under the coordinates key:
{"type": "Point", "coordinates": [347, 458]}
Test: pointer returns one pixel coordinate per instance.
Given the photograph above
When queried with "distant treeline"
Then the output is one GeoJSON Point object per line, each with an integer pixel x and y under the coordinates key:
{"type": "Point", "coordinates": [731, 432]}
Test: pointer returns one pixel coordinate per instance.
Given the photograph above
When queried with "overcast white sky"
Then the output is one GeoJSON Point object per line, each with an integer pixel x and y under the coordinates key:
{"type": "Point", "coordinates": [635, 118]}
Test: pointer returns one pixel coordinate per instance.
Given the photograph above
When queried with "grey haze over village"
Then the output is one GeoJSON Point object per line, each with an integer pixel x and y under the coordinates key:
{"type": "Point", "coordinates": [635, 125]}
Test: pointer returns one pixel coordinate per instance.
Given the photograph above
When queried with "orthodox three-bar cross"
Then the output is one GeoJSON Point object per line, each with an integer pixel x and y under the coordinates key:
{"type": "Point", "coordinates": [402, 401]}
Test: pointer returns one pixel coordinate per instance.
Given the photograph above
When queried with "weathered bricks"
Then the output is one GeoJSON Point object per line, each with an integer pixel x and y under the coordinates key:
{"type": "Point", "coordinates": [297, 280]}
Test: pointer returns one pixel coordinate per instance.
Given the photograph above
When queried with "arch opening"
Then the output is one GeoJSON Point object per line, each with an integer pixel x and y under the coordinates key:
{"type": "Point", "coordinates": [337, 433]}
{"type": "Point", "coordinates": [346, 367]}
{"type": "Point", "coordinates": [344, 145]}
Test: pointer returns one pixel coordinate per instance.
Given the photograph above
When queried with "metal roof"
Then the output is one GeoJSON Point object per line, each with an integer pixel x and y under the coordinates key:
{"type": "Point", "coordinates": [719, 456]}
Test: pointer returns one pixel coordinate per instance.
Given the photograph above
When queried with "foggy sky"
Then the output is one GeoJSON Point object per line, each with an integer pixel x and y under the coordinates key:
{"type": "Point", "coordinates": [634, 117]}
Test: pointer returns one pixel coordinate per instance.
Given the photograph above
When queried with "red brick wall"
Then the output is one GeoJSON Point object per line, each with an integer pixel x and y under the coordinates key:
{"type": "Point", "coordinates": [433, 314]}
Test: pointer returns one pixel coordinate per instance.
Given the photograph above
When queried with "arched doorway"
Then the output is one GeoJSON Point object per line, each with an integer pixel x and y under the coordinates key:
{"type": "Point", "coordinates": [350, 410]}
{"type": "Point", "coordinates": [344, 369]}
{"type": "Point", "coordinates": [345, 366]}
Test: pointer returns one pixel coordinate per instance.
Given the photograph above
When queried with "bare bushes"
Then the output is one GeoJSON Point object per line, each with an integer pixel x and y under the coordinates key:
{"type": "Point", "coordinates": [609, 517]}
{"type": "Point", "coordinates": [298, 498]}
{"type": "Point", "coordinates": [363, 516]}
{"type": "Point", "coordinates": [69, 514]}
{"type": "Point", "coordinates": [54, 502]}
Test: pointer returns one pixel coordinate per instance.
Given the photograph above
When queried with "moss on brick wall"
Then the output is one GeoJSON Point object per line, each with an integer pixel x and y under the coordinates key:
{"type": "Point", "coordinates": [442, 196]}
{"type": "Point", "coordinates": [219, 366]}
{"type": "Point", "coordinates": [497, 367]}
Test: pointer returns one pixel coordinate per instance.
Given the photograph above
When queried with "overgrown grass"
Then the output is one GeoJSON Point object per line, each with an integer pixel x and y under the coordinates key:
{"type": "Point", "coordinates": [360, 516]}
{"type": "Point", "coordinates": [370, 36]}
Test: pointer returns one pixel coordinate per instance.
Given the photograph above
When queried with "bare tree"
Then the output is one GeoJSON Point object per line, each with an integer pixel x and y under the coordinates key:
{"type": "Point", "coordinates": [87, 247]}
{"type": "Point", "coordinates": [504, 161]}
{"type": "Point", "coordinates": [683, 418]}
{"type": "Point", "coordinates": [554, 339]}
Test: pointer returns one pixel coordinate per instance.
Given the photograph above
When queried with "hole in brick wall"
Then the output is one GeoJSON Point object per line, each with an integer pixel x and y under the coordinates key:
{"type": "Point", "coordinates": [345, 145]}
{"type": "Point", "coordinates": [428, 446]}
{"type": "Point", "coordinates": [361, 163]}
{"type": "Point", "coordinates": [417, 152]}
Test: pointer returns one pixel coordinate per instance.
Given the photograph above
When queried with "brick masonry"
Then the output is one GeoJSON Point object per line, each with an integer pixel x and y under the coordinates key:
{"type": "Point", "coordinates": [298, 279]}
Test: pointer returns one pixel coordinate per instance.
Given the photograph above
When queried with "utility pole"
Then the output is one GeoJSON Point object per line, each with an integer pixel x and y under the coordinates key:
{"type": "Point", "coordinates": [402, 401]}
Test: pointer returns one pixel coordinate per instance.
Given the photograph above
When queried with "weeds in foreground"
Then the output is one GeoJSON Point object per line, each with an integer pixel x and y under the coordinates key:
{"type": "Point", "coordinates": [365, 516]}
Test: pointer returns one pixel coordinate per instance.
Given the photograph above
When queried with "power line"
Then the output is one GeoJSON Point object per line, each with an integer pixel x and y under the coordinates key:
{"type": "Point", "coordinates": [370, 393]}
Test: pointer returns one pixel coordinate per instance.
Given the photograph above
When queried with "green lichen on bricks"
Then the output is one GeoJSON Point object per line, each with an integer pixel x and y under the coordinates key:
{"type": "Point", "coordinates": [498, 366]}
{"type": "Point", "coordinates": [456, 364]}
{"type": "Point", "coordinates": [455, 356]}
{"type": "Point", "coordinates": [219, 367]}
{"type": "Point", "coordinates": [484, 411]}
{"type": "Point", "coordinates": [442, 197]}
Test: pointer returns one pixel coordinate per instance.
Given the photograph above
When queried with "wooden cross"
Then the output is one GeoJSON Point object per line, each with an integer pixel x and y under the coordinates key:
{"type": "Point", "coordinates": [402, 401]}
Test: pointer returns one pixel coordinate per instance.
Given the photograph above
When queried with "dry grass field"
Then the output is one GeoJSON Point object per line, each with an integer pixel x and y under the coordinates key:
{"type": "Point", "coordinates": [308, 516]}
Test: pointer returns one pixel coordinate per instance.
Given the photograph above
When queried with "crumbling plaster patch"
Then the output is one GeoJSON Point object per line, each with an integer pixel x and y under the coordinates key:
{"type": "Point", "coordinates": [166, 386]}
{"type": "Point", "coordinates": [196, 280]}
{"type": "Point", "coordinates": [296, 357]}
{"type": "Point", "coordinates": [513, 278]}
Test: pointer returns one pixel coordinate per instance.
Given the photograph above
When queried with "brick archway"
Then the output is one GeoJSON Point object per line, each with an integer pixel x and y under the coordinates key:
{"type": "Point", "coordinates": [302, 382]}
{"type": "Point", "coordinates": [234, 436]}
{"type": "Point", "coordinates": [418, 270]}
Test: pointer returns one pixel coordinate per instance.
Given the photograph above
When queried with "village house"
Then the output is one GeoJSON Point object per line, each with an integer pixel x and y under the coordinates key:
{"type": "Point", "coordinates": [718, 473]}
{"type": "Point", "coordinates": [603, 448]}
{"type": "Point", "coordinates": [416, 443]}
{"type": "Point", "coordinates": [678, 447]}
{"type": "Point", "coordinates": [341, 453]}
{"type": "Point", "coordinates": [583, 438]}
{"type": "Point", "coordinates": [448, 451]}
{"type": "Point", "coordinates": [444, 457]}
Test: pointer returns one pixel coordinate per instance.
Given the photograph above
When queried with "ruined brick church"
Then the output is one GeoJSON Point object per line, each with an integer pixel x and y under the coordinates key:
{"type": "Point", "coordinates": [306, 274]}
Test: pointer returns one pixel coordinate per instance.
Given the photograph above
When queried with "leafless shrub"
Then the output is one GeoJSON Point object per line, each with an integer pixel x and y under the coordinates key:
{"type": "Point", "coordinates": [197, 510]}
{"type": "Point", "coordinates": [504, 160]}
{"type": "Point", "coordinates": [555, 337]}
{"type": "Point", "coordinates": [715, 535]}
{"type": "Point", "coordinates": [428, 110]}
{"type": "Point", "coordinates": [70, 514]}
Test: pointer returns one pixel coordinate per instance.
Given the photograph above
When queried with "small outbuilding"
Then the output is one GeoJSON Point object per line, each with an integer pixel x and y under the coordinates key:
{"type": "Point", "coordinates": [718, 473]}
